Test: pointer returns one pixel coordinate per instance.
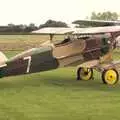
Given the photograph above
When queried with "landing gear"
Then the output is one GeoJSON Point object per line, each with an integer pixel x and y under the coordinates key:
{"type": "Point", "coordinates": [110, 76]}
{"type": "Point", "coordinates": [84, 73]}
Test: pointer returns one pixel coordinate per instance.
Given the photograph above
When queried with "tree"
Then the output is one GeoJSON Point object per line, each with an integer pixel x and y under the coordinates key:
{"type": "Point", "coordinates": [11, 25]}
{"type": "Point", "coordinates": [104, 16]}
{"type": "Point", "coordinates": [11, 28]}
{"type": "Point", "coordinates": [32, 27]}
{"type": "Point", "coordinates": [107, 16]}
{"type": "Point", "coordinates": [53, 23]}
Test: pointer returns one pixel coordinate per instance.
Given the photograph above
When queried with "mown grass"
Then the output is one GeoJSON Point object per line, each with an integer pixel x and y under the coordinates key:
{"type": "Point", "coordinates": [57, 95]}
{"type": "Point", "coordinates": [27, 38]}
{"type": "Point", "coordinates": [24, 42]}
{"type": "Point", "coordinates": [116, 54]}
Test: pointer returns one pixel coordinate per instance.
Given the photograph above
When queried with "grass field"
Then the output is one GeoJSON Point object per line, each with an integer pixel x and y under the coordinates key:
{"type": "Point", "coordinates": [23, 42]}
{"type": "Point", "coordinates": [56, 95]}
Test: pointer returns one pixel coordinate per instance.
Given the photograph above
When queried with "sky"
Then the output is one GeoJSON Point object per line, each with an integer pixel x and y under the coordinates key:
{"type": "Point", "coordinates": [39, 11]}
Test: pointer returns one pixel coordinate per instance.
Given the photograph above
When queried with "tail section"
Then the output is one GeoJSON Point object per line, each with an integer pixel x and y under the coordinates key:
{"type": "Point", "coordinates": [3, 58]}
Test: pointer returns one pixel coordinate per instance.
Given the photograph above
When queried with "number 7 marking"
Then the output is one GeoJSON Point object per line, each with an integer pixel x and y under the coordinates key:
{"type": "Point", "coordinates": [29, 63]}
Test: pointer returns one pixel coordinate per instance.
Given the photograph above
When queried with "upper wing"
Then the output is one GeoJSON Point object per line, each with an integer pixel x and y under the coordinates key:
{"type": "Point", "coordinates": [89, 30]}
{"type": "Point", "coordinates": [96, 23]}
{"type": "Point", "coordinates": [54, 30]}
{"type": "Point", "coordinates": [97, 30]}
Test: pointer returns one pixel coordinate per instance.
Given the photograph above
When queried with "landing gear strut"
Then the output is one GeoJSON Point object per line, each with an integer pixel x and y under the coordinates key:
{"type": "Point", "coordinates": [110, 74]}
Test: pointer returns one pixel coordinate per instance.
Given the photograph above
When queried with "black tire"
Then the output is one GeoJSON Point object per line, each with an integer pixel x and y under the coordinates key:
{"type": "Point", "coordinates": [79, 77]}
{"type": "Point", "coordinates": [114, 79]}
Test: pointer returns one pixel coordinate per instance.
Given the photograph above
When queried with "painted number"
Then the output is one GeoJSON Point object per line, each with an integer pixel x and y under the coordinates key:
{"type": "Point", "coordinates": [29, 63]}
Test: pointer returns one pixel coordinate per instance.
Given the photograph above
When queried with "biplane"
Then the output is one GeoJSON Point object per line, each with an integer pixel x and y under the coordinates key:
{"type": "Point", "coordinates": [87, 48]}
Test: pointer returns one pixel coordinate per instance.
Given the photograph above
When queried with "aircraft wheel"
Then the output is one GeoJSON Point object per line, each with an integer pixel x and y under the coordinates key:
{"type": "Point", "coordinates": [110, 76]}
{"type": "Point", "coordinates": [84, 73]}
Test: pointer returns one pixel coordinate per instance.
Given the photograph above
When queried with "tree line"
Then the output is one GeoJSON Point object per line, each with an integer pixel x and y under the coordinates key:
{"type": "Point", "coordinates": [11, 28]}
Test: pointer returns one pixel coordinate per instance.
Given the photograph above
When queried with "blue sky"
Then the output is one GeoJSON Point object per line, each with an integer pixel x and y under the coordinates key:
{"type": "Point", "coordinates": [39, 11]}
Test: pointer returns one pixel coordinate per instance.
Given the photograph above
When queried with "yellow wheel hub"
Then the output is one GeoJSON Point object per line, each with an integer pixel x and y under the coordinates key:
{"type": "Point", "coordinates": [86, 74]}
{"type": "Point", "coordinates": [110, 77]}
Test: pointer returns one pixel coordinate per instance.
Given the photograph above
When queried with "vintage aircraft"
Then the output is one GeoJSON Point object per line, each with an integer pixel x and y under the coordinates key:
{"type": "Point", "coordinates": [86, 48]}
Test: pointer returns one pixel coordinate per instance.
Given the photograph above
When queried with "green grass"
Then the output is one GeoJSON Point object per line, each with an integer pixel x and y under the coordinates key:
{"type": "Point", "coordinates": [28, 38]}
{"type": "Point", "coordinates": [116, 54]}
{"type": "Point", "coordinates": [10, 54]}
{"type": "Point", "coordinates": [23, 42]}
{"type": "Point", "coordinates": [56, 95]}
{"type": "Point", "coordinates": [22, 37]}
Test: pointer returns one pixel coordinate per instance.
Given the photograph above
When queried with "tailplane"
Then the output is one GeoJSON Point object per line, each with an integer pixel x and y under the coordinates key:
{"type": "Point", "coordinates": [3, 58]}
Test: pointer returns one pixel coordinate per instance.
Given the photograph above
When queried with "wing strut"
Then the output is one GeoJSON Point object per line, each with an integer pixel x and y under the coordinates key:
{"type": "Point", "coordinates": [51, 37]}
